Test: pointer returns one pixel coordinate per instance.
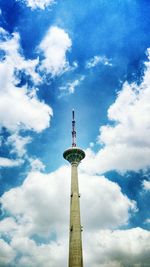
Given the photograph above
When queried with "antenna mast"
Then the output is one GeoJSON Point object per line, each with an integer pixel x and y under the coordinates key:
{"type": "Point", "coordinates": [73, 130]}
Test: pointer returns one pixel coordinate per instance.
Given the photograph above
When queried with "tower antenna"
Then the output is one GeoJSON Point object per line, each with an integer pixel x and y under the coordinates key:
{"type": "Point", "coordinates": [73, 129]}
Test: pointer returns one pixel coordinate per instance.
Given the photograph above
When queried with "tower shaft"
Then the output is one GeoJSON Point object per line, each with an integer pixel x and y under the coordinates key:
{"type": "Point", "coordinates": [75, 242]}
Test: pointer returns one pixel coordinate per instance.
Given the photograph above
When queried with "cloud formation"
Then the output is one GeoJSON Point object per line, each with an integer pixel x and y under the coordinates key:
{"type": "Point", "coordinates": [18, 144]}
{"type": "Point", "coordinates": [19, 106]}
{"type": "Point", "coordinates": [98, 194]}
{"type": "Point", "coordinates": [54, 46]}
{"type": "Point", "coordinates": [6, 162]}
{"type": "Point", "coordinates": [7, 254]}
{"type": "Point", "coordinates": [146, 185]}
{"type": "Point", "coordinates": [38, 194]}
{"type": "Point", "coordinates": [36, 164]}
{"type": "Point", "coordinates": [70, 87]}
{"type": "Point", "coordinates": [92, 62]}
{"type": "Point", "coordinates": [119, 248]}
{"type": "Point", "coordinates": [125, 142]}
{"type": "Point", "coordinates": [41, 4]}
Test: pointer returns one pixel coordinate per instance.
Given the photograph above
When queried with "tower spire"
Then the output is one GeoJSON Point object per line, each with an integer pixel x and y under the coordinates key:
{"type": "Point", "coordinates": [73, 129]}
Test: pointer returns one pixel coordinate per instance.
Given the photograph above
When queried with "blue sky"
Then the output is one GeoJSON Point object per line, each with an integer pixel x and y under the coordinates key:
{"type": "Point", "coordinates": [93, 57]}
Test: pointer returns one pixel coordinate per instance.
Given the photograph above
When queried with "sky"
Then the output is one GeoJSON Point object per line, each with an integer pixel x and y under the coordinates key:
{"type": "Point", "coordinates": [93, 57]}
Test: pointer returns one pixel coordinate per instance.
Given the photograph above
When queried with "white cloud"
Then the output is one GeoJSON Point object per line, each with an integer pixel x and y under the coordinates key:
{"type": "Point", "coordinates": [91, 63]}
{"type": "Point", "coordinates": [19, 106]}
{"type": "Point", "coordinates": [6, 162]}
{"type": "Point", "coordinates": [7, 225]}
{"type": "Point", "coordinates": [11, 46]}
{"type": "Point", "coordinates": [42, 4]}
{"type": "Point", "coordinates": [7, 254]}
{"type": "Point", "coordinates": [71, 86]}
{"type": "Point", "coordinates": [37, 165]}
{"type": "Point", "coordinates": [126, 144]}
{"type": "Point", "coordinates": [37, 211]}
{"type": "Point", "coordinates": [40, 193]}
{"type": "Point", "coordinates": [119, 248]}
{"type": "Point", "coordinates": [18, 144]}
{"type": "Point", "coordinates": [103, 203]}
{"type": "Point", "coordinates": [54, 47]}
{"type": "Point", "coordinates": [41, 255]}
{"type": "Point", "coordinates": [3, 32]}
{"type": "Point", "coordinates": [146, 185]}
{"type": "Point", "coordinates": [18, 110]}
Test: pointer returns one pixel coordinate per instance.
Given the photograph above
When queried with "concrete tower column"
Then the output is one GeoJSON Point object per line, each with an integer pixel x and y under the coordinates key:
{"type": "Point", "coordinates": [75, 242]}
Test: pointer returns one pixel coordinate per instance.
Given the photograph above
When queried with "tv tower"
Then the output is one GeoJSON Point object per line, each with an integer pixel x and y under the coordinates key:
{"type": "Point", "coordinates": [74, 155]}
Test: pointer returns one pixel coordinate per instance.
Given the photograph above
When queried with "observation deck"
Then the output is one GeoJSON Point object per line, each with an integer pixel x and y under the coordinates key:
{"type": "Point", "coordinates": [74, 155]}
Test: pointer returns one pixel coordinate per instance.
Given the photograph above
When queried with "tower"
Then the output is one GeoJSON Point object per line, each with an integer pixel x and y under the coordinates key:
{"type": "Point", "coordinates": [74, 155]}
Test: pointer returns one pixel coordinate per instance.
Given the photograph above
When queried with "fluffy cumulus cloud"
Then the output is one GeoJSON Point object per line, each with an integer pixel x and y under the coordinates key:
{"type": "Point", "coordinates": [42, 4]}
{"type": "Point", "coordinates": [23, 252]}
{"type": "Point", "coordinates": [119, 248]}
{"type": "Point", "coordinates": [39, 194]}
{"type": "Point", "coordinates": [19, 105]}
{"type": "Point", "coordinates": [39, 209]}
{"type": "Point", "coordinates": [98, 194]}
{"type": "Point", "coordinates": [126, 144]}
{"type": "Point", "coordinates": [54, 47]}
{"type": "Point", "coordinates": [7, 254]}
